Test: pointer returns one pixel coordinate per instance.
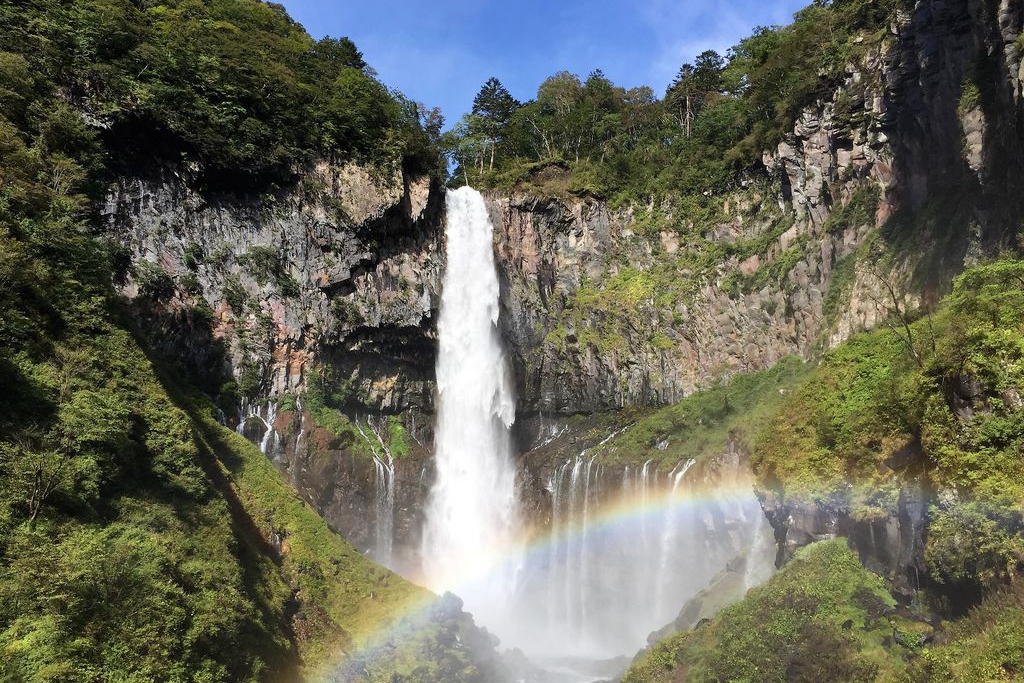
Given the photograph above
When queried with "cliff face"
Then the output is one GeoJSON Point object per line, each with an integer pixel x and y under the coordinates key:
{"type": "Point", "coordinates": [346, 266]}
{"type": "Point", "coordinates": [910, 161]}
{"type": "Point", "coordinates": [912, 158]}
{"type": "Point", "coordinates": [343, 268]}
{"type": "Point", "coordinates": [336, 279]}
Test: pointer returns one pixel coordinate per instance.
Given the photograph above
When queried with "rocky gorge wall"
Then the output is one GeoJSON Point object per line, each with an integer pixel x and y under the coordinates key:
{"type": "Point", "coordinates": [335, 280]}
{"type": "Point", "coordinates": [909, 162]}
{"type": "Point", "coordinates": [912, 158]}
{"type": "Point", "coordinates": [343, 270]}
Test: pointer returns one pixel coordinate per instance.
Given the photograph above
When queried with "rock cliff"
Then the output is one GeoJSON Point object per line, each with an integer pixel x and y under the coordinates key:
{"type": "Point", "coordinates": [342, 269]}
{"type": "Point", "coordinates": [911, 159]}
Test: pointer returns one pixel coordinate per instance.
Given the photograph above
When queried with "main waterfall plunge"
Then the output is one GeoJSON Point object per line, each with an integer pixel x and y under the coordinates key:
{"type": "Point", "coordinates": [472, 520]}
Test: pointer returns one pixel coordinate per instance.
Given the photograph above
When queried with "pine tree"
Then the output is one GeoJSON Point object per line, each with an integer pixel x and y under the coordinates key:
{"type": "Point", "coordinates": [493, 107]}
{"type": "Point", "coordinates": [693, 86]}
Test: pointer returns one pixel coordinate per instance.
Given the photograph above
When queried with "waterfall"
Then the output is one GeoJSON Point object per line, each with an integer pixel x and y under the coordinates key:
{"type": "Point", "coordinates": [471, 512]}
{"type": "Point", "coordinates": [257, 425]}
{"type": "Point", "coordinates": [668, 534]}
{"type": "Point", "coordinates": [627, 548]}
{"type": "Point", "coordinates": [385, 508]}
{"type": "Point", "coordinates": [384, 491]}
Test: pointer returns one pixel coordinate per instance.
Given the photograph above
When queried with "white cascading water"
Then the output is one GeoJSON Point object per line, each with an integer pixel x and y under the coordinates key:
{"type": "Point", "coordinates": [590, 591]}
{"type": "Point", "coordinates": [384, 499]}
{"type": "Point", "coordinates": [471, 514]}
{"type": "Point", "coordinates": [625, 548]}
{"type": "Point", "coordinates": [605, 582]}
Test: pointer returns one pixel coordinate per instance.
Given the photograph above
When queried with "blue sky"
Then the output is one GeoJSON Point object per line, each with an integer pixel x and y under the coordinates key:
{"type": "Point", "coordinates": [440, 52]}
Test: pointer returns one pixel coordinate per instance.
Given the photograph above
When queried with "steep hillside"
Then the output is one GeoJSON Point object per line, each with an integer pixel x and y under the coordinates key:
{"type": "Point", "coordinates": [907, 442]}
{"type": "Point", "coordinates": [824, 617]}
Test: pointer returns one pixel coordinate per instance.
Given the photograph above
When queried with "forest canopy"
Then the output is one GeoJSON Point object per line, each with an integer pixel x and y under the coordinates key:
{"type": "Point", "coordinates": [235, 85]}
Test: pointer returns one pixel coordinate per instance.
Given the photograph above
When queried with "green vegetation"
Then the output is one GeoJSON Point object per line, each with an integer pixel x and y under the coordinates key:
{"type": "Point", "coordinates": [935, 399]}
{"type": "Point", "coordinates": [133, 533]}
{"type": "Point", "coordinates": [233, 84]}
{"type": "Point", "coordinates": [858, 212]}
{"type": "Point", "coordinates": [139, 539]}
{"type": "Point", "coordinates": [987, 645]}
{"type": "Point", "coordinates": [822, 617]}
{"type": "Point", "coordinates": [267, 265]}
{"type": "Point", "coordinates": [713, 122]}
{"type": "Point", "coordinates": [344, 597]}
{"type": "Point", "coordinates": [844, 274]}
{"type": "Point", "coordinates": [702, 424]}
{"type": "Point", "coordinates": [398, 437]}
{"type": "Point", "coordinates": [649, 296]}
{"type": "Point", "coordinates": [939, 396]}
{"type": "Point", "coordinates": [136, 535]}
{"type": "Point", "coordinates": [326, 400]}
{"type": "Point", "coordinates": [825, 617]}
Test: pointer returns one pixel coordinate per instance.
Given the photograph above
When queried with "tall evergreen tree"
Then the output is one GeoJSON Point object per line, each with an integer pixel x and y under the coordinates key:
{"type": "Point", "coordinates": [492, 108]}
{"type": "Point", "coordinates": [693, 86]}
{"type": "Point", "coordinates": [494, 103]}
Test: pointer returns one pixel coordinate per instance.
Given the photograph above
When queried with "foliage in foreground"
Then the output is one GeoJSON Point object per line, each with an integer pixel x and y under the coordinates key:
{"type": "Point", "coordinates": [139, 539]}
{"type": "Point", "coordinates": [933, 402]}
{"type": "Point", "coordinates": [167, 547]}
{"type": "Point", "coordinates": [822, 617]}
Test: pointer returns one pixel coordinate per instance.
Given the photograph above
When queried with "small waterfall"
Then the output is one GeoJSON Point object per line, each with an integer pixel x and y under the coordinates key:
{"type": "Point", "coordinates": [626, 549]}
{"type": "Point", "coordinates": [384, 482]}
{"type": "Point", "coordinates": [471, 513]}
{"type": "Point", "coordinates": [668, 535]}
{"type": "Point", "coordinates": [257, 425]}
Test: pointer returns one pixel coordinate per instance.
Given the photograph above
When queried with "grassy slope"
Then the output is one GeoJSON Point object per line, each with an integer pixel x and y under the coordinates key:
{"type": "Point", "coordinates": [169, 573]}
{"type": "Point", "coordinates": [875, 413]}
{"type": "Point", "coordinates": [344, 598]}
{"type": "Point", "coordinates": [792, 629]}
{"type": "Point", "coordinates": [701, 425]}
{"type": "Point", "coordinates": [985, 646]}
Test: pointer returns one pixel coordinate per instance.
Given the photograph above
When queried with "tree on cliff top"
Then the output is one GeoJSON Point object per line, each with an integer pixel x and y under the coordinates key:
{"type": "Point", "coordinates": [493, 107]}
{"type": "Point", "coordinates": [694, 86]}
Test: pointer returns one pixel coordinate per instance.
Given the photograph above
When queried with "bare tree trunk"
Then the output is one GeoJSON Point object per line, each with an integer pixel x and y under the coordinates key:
{"type": "Point", "coordinates": [689, 116]}
{"type": "Point", "coordinates": [906, 335]}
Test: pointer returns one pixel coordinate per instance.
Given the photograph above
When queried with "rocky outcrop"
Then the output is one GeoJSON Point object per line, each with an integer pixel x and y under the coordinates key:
{"type": "Point", "coordinates": [890, 543]}
{"type": "Point", "coordinates": [912, 158]}
{"type": "Point", "coordinates": [558, 256]}
{"type": "Point", "coordinates": [367, 490]}
{"type": "Point", "coordinates": [343, 268]}
{"type": "Point", "coordinates": [336, 278]}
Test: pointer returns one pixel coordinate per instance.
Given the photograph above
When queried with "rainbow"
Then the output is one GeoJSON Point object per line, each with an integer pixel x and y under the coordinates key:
{"type": "Point", "coordinates": [535, 544]}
